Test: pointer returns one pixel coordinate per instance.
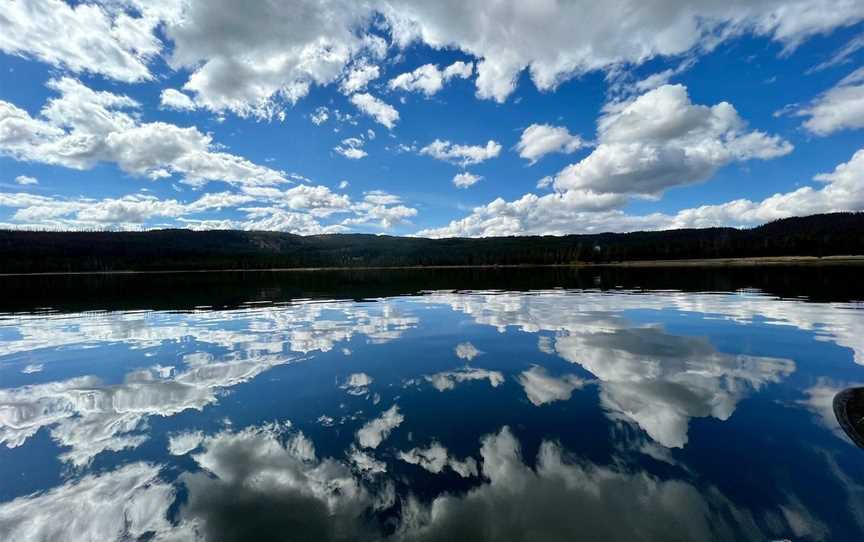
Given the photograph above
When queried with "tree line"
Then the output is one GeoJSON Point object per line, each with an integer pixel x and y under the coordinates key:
{"type": "Point", "coordinates": [174, 249]}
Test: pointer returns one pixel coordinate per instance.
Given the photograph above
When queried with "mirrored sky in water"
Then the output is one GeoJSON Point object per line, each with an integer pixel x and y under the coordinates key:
{"type": "Point", "coordinates": [554, 414]}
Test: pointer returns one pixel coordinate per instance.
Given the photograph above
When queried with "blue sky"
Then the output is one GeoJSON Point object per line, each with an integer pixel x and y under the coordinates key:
{"type": "Point", "coordinates": [459, 118]}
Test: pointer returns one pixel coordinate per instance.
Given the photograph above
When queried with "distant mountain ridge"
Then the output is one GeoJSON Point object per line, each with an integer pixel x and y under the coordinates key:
{"type": "Point", "coordinates": [173, 249]}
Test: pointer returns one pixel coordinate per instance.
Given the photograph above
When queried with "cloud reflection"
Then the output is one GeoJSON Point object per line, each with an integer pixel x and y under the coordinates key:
{"type": "Point", "coordinates": [646, 375]}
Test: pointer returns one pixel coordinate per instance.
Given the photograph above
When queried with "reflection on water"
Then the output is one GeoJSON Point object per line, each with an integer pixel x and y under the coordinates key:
{"type": "Point", "coordinates": [507, 414]}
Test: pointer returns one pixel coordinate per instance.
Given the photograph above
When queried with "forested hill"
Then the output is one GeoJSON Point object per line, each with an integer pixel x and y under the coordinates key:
{"type": "Point", "coordinates": [29, 252]}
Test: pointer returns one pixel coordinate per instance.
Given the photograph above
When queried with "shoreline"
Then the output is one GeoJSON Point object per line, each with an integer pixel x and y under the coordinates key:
{"type": "Point", "coordinates": [774, 261]}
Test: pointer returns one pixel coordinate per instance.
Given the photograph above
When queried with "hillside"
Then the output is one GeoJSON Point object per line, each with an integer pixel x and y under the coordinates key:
{"type": "Point", "coordinates": [31, 252]}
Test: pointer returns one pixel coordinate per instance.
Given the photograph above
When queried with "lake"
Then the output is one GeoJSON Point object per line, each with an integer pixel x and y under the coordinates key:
{"type": "Point", "coordinates": [500, 404]}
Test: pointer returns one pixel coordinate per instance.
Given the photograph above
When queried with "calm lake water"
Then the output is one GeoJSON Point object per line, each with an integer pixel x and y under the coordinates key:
{"type": "Point", "coordinates": [440, 405]}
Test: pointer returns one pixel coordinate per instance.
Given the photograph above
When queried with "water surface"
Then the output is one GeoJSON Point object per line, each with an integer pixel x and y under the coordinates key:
{"type": "Point", "coordinates": [498, 405]}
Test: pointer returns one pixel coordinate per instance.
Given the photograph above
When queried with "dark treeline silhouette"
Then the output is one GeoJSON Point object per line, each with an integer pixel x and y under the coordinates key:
{"type": "Point", "coordinates": [33, 252]}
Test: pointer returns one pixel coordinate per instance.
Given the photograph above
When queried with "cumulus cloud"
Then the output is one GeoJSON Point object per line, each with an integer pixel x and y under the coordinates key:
{"type": "Point", "coordinates": [365, 463]}
{"type": "Point", "coordinates": [381, 208]}
{"type": "Point", "coordinates": [130, 502]}
{"type": "Point", "coordinates": [90, 417]}
{"type": "Point", "coordinates": [466, 351]}
{"type": "Point", "coordinates": [462, 155]}
{"type": "Point", "coordinates": [559, 40]}
{"type": "Point", "coordinates": [185, 442]}
{"type": "Point", "coordinates": [447, 380]}
{"type": "Point", "coordinates": [841, 190]}
{"type": "Point", "coordinates": [383, 113]}
{"type": "Point", "coordinates": [572, 211]}
{"type": "Point", "coordinates": [560, 498]}
{"type": "Point", "coordinates": [125, 211]}
{"type": "Point", "coordinates": [358, 78]}
{"type": "Point", "coordinates": [466, 179]}
{"type": "Point", "coordinates": [429, 79]}
{"type": "Point", "coordinates": [841, 108]}
{"type": "Point", "coordinates": [85, 37]}
{"type": "Point", "coordinates": [435, 458]}
{"type": "Point", "coordinates": [269, 56]}
{"type": "Point", "coordinates": [256, 63]}
{"type": "Point", "coordinates": [171, 98]}
{"type": "Point", "coordinates": [82, 127]}
{"type": "Point", "coordinates": [357, 384]}
{"type": "Point", "coordinates": [690, 379]}
{"type": "Point", "coordinates": [538, 140]}
{"type": "Point", "coordinates": [260, 477]}
{"type": "Point", "coordinates": [375, 431]}
{"type": "Point", "coordinates": [645, 145]}
{"type": "Point", "coordinates": [661, 139]}
{"type": "Point", "coordinates": [351, 148]}
{"type": "Point", "coordinates": [541, 388]}
{"type": "Point", "coordinates": [646, 375]}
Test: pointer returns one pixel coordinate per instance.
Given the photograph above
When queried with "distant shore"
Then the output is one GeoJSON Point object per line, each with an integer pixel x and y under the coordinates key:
{"type": "Point", "coordinates": [741, 262]}
{"type": "Point", "coordinates": [791, 261]}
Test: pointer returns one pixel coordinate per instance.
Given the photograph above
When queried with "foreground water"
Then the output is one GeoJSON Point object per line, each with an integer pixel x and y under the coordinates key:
{"type": "Point", "coordinates": [543, 406]}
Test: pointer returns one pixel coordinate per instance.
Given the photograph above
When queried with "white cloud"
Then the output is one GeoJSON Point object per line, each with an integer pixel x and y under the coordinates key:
{"type": "Point", "coordinates": [435, 458]}
{"type": "Point", "coordinates": [358, 78]}
{"type": "Point", "coordinates": [383, 113]}
{"type": "Point", "coordinates": [661, 139]}
{"type": "Point", "coordinates": [185, 442]}
{"type": "Point", "coordinates": [447, 380]}
{"type": "Point", "coordinates": [25, 180]}
{"type": "Point", "coordinates": [558, 214]}
{"type": "Point", "coordinates": [645, 145]}
{"type": "Point", "coordinates": [463, 155]}
{"type": "Point", "coordinates": [460, 69]}
{"type": "Point", "coordinates": [267, 54]}
{"type": "Point", "coordinates": [375, 431]}
{"type": "Point", "coordinates": [541, 388]}
{"type": "Point", "coordinates": [113, 416]}
{"type": "Point", "coordinates": [841, 108]}
{"type": "Point", "coordinates": [648, 377]}
{"type": "Point", "coordinates": [559, 497]}
{"type": "Point", "coordinates": [538, 140]}
{"type": "Point", "coordinates": [130, 502]}
{"type": "Point", "coordinates": [382, 208]}
{"type": "Point", "coordinates": [365, 463]}
{"type": "Point", "coordinates": [87, 37]}
{"type": "Point", "coordinates": [429, 79]}
{"type": "Point", "coordinates": [320, 116]}
{"type": "Point", "coordinates": [466, 179]}
{"type": "Point", "coordinates": [351, 148]}
{"type": "Point", "coordinates": [842, 190]}
{"type": "Point", "coordinates": [466, 351]}
{"type": "Point", "coordinates": [687, 378]}
{"type": "Point", "coordinates": [255, 62]}
{"type": "Point", "coordinates": [357, 384]}
{"type": "Point", "coordinates": [82, 127]}
{"type": "Point", "coordinates": [343, 185]}
{"type": "Point", "coordinates": [176, 100]}
{"type": "Point", "coordinates": [559, 40]}
{"type": "Point", "coordinates": [293, 490]}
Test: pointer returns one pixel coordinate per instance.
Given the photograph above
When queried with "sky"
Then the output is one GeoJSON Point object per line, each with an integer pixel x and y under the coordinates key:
{"type": "Point", "coordinates": [450, 118]}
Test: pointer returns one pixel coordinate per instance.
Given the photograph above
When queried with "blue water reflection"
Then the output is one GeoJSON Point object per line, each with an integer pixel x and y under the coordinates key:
{"type": "Point", "coordinates": [481, 415]}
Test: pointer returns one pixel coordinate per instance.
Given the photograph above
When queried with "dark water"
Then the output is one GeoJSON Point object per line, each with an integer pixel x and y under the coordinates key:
{"type": "Point", "coordinates": [443, 405]}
